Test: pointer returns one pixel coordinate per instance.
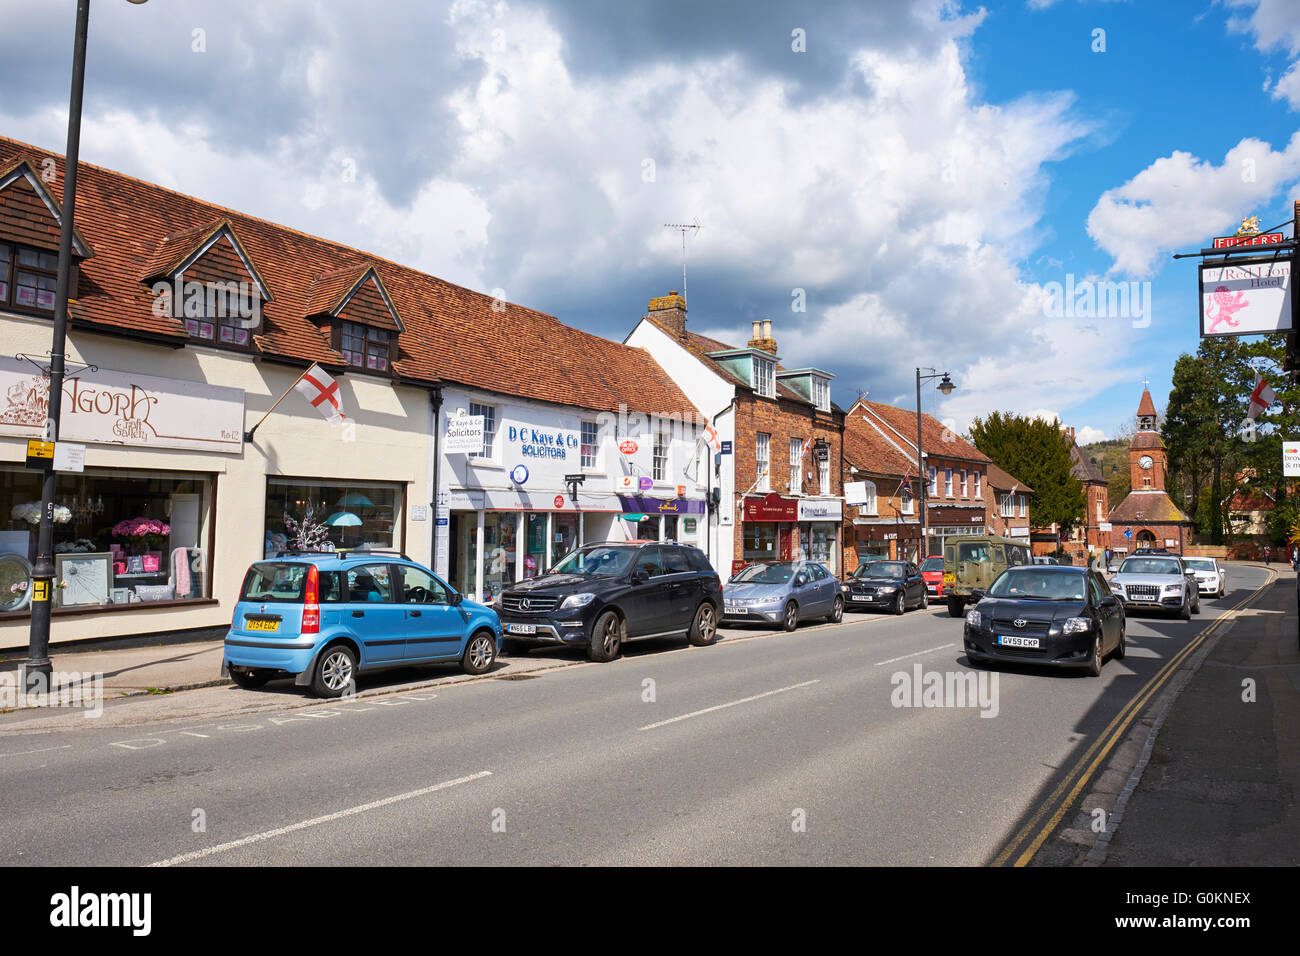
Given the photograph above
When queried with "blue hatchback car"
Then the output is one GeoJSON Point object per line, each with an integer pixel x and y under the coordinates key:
{"type": "Point", "coordinates": [324, 617]}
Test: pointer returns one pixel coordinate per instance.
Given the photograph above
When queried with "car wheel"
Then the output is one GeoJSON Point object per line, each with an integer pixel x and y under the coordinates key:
{"type": "Point", "coordinates": [925, 600]}
{"type": "Point", "coordinates": [1095, 661]}
{"type": "Point", "coordinates": [955, 607]}
{"type": "Point", "coordinates": [900, 604]}
{"type": "Point", "coordinates": [249, 678]}
{"type": "Point", "coordinates": [790, 619]}
{"type": "Point", "coordinates": [480, 653]}
{"type": "Point", "coordinates": [837, 610]}
{"type": "Point", "coordinates": [336, 672]}
{"type": "Point", "coordinates": [704, 630]}
{"type": "Point", "coordinates": [1196, 603]}
{"type": "Point", "coordinates": [606, 638]}
{"type": "Point", "coordinates": [1186, 612]}
{"type": "Point", "coordinates": [515, 648]}
{"type": "Point", "coordinates": [1123, 642]}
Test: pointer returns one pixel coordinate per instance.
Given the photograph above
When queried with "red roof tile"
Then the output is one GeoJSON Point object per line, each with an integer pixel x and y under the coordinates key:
{"type": "Point", "coordinates": [454, 334]}
{"type": "Point", "coordinates": [1146, 406]}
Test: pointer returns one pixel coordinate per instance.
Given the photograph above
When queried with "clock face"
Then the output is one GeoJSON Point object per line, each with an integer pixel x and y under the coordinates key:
{"type": "Point", "coordinates": [1145, 461]}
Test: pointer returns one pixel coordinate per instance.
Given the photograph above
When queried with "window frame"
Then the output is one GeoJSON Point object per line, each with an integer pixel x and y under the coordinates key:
{"type": "Point", "coordinates": [10, 278]}
{"type": "Point", "coordinates": [660, 455]}
{"type": "Point", "coordinates": [763, 460]}
{"type": "Point", "coordinates": [796, 466]}
{"type": "Point", "coordinates": [763, 376]}
{"type": "Point", "coordinates": [491, 414]}
{"type": "Point", "coordinates": [594, 463]}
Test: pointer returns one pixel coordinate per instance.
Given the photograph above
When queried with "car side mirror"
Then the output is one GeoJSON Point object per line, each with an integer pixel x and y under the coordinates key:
{"type": "Point", "coordinates": [640, 576]}
{"type": "Point", "coordinates": [800, 581]}
{"type": "Point", "coordinates": [977, 595]}
{"type": "Point", "coordinates": [456, 598]}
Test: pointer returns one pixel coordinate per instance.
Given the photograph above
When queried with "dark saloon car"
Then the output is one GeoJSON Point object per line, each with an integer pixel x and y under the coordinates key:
{"type": "Point", "coordinates": [1033, 614]}
{"type": "Point", "coordinates": [887, 585]}
{"type": "Point", "coordinates": [603, 595]}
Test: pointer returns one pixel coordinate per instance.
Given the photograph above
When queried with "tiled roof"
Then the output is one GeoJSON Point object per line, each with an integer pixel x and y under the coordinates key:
{"type": "Point", "coordinates": [1146, 406]}
{"type": "Point", "coordinates": [999, 479]}
{"type": "Point", "coordinates": [454, 334]}
{"type": "Point", "coordinates": [937, 439]}
{"type": "Point", "coordinates": [1152, 506]}
{"type": "Point", "coordinates": [1146, 440]}
{"type": "Point", "coordinates": [1083, 469]}
{"type": "Point", "coordinates": [866, 450]}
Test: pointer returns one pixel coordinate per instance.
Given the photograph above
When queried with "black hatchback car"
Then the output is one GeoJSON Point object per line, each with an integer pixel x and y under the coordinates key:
{"type": "Point", "coordinates": [603, 595]}
{"type": "Point", "coordinates": [894, 586]}
{"type": "Point", "coordinates": [1034, 614]}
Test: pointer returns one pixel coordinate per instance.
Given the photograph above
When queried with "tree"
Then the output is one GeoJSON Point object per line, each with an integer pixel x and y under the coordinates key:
{"type": "Point", "coordinates": [1037, 453]}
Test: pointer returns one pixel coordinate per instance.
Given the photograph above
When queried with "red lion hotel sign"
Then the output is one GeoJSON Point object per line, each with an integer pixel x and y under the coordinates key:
{"type": "Point", "coordinates": [122, 408]}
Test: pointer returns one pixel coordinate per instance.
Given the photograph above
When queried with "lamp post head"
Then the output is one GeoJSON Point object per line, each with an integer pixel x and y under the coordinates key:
{"type": "Point", "coordinates": [946, 386]}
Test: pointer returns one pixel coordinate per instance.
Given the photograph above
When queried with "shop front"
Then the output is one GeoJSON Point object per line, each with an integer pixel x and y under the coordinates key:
{"type": "Point", "coordinates": [886, 538]}
{"type": "Point", "coordinates": [953, 522]}
{"type": "Point", "coordinates": [666, 519]}
{"type": "Point", "coordinates": [820, 521]}
{"type": "Point", "coordinates": [768, 530]}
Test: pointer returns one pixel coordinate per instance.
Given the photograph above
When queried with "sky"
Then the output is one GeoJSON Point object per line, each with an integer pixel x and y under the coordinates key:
{"type": "Point", "coordinates": [895, 183]}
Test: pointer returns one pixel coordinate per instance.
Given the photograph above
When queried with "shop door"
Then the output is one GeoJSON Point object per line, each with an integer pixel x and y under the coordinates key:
{"type": "Point", "coordinates": [784, 541]}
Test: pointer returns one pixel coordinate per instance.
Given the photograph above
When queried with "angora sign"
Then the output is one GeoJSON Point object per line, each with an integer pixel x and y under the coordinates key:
{"type": "Point", "coordinates": [122, 408]}
{"type": "Point", "coordinates": [1246, 297]}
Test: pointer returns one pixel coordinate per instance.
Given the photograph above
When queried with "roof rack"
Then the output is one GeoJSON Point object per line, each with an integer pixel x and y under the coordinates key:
{"type": "Point", "coordinates": [343, 552]}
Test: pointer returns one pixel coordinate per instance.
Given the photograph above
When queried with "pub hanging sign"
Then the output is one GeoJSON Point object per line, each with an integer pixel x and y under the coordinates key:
{"type": "Point", "coordinates": [1245, 296]}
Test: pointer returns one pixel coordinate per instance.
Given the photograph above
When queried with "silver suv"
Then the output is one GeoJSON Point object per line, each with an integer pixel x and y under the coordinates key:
{"type": "Point", "coordinates": [1157, 582]}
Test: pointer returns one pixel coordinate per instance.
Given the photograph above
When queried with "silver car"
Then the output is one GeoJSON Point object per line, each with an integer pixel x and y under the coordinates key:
{"type": "Point", "coordinates": [1211, 577]}
{"type": "Point", "coordinates": [1157, 582]}
{"type": "Point", "coordinates": [782, 592]}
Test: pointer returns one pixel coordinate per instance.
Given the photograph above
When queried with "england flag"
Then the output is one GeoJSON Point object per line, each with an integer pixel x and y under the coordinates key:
{"type": "Point", "coordinates": [322, 391]}
{"type": "Point", "coordinates": [1261, 397]}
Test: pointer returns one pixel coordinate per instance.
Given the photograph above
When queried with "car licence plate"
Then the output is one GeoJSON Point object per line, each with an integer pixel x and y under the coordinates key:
{"type": "Point", "coordinates": [949, 578]}
{"type": "Point", "coordinates": [732, 609]}
{"type": "Point", "coordinates": [1012, 641]}
{"type": "Point", "coordinates": [521, 628]}
{"type": "Point", "coordinates": [261, 624]}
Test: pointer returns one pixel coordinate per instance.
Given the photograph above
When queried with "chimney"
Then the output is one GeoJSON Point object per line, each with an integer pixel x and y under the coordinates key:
{"type": "Point", "coordinates": [669, 311]}
{"type": "Point", "coordinates": [763, 337]}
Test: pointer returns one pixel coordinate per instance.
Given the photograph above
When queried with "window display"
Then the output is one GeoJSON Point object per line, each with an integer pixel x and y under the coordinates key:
{"type": "Point", "coordinates": [500, 530]}
{"type": "Point", "coordinates": [120, 537]}
{"type": "Point", "coordinates": [318, 515]}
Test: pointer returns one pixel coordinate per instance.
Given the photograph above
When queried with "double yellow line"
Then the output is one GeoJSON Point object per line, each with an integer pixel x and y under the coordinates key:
{"type": "Point", "coordinates": [1034, 832]}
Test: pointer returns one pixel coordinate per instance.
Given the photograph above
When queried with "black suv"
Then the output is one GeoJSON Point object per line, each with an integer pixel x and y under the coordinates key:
{"type": "Point", "coordinates": [602, 595]}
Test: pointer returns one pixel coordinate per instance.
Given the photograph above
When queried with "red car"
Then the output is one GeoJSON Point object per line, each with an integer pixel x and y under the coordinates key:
{"type": "Point", "coordinates": [932, 572]}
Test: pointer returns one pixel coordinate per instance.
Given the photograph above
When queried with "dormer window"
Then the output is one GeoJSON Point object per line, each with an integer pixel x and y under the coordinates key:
{"type": "Point", "coordinates": [763, 377]}
{"type": "Point", "coordinates": [28, 278]}
{"type": "Point", "coordinates": [366, 347]}
{"type": "Point", "coordinates": [821, 393]}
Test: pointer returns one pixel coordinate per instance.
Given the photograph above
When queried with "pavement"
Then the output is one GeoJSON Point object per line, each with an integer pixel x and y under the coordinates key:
{"type": "Point", "coordinates": [1222, 783]}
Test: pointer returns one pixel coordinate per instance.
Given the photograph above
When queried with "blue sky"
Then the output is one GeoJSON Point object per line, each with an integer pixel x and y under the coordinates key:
{"type": "Point", "coordinates": [917, 172]}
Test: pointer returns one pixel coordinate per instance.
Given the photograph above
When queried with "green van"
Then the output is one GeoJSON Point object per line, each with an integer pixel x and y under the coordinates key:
{"type": "Point", "coordinates": [974, 563]}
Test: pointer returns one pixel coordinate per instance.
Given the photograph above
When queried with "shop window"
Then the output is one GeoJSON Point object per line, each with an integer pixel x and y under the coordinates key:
{"type": "Point", "coordinates": [500, 530]}
{"type": "Point", "coordinates": [306, 514]}
{"type": "Point", "coordinates": [120, 537]}
{"type": "Point", "coordinates": [758, 542]}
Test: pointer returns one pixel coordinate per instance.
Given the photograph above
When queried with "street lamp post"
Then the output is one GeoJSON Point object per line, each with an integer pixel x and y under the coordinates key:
{"type": "Point", "coordinates": [946, 386]}
{"type": "Point", "coordinates": [37, 669]}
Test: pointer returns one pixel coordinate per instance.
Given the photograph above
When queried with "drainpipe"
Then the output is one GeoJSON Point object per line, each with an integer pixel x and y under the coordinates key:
{"type": "Point", "coordinates": [435, 411]}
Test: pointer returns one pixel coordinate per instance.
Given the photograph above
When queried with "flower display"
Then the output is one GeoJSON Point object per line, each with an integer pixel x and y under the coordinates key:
{"type": "Point", "coordinates": [141, 528]}
{"type": "Point", "coordinates": [31, 513]}
{"type": "Point", "coordinates": [309, 535]}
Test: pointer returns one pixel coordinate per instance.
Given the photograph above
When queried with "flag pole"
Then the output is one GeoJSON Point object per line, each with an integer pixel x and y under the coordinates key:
{"type": "Point", "coordinates": [248, 435]}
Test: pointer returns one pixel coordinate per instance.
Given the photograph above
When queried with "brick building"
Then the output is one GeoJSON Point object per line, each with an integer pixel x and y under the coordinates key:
{"type": "Point", "coordinates": [1007, 504]}
{"type": "Point", "coordinates": [883, 520]}
{"type": "Point", "coordinates": [777, 476]}
{"type": "Point", "coordinates": [1148, 517]}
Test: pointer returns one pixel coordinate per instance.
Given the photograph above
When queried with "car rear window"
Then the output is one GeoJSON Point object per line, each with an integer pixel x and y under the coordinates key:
{"type": "Point", "coordinates": [698, 560]}
{"type": "Point", "coordinates": [979, 551]}
{"type": "Point", "coordinates": [674, 560]}
{"type": "Point", "coordinates": [279, 583]}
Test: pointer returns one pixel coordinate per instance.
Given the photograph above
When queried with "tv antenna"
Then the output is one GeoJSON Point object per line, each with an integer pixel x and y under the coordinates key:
{"type": "Point", "coordinates": [683, 228]}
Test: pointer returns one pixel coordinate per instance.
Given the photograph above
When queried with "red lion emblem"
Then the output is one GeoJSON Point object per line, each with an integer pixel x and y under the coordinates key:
{"type": "Point", "coordinates": [1226, 306]}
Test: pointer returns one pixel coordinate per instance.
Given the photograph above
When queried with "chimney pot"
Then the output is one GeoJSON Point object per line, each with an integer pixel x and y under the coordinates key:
{"type": "Point", "coordinates": [767, 328]}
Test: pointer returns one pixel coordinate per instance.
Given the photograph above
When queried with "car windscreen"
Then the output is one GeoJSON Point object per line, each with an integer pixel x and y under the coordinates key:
{"type": "Point", "coordinates": [600, 561]}
{"type": "Point", "coordinates": [881, 569]}
{"type": "Point", "coordinates": [1200, 564]}
{"type": "Point", "coordinates": [765, 573]}
{"type": "Point", "coordinates": [932, 564]}
{"type": "Point", "coordinates": [1029, 583]}
{"type": "Point", "coordinates": [279, 582]}
{"type": "Point", "coordinates": [1149, 566]}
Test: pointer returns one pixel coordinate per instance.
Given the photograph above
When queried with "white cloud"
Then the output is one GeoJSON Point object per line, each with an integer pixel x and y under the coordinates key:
{"type": "Point", "coordinates": [1180, 200]}
{"type": "Point", "coordinates": [1086, 435]}
{"type": "Point", "coordinates": [1275, 24]}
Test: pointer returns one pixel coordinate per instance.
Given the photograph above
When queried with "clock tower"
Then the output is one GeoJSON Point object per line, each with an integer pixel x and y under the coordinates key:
{"type": "Point", "coordinates": [1146, 452]}
{"type": "Point", "coordinates": [1148, 517]}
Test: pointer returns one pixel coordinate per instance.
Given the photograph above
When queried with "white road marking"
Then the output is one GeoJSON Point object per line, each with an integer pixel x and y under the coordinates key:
{"type": "Point", "coordinates": [892, 660]}
{"type": "Point", "coordinates": [744, 700]}
{"type": "Point", "coordinates": [41, 751]}
{"type": "Point", "coordinates": [316, 821]}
